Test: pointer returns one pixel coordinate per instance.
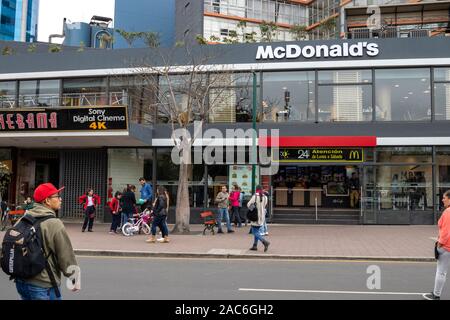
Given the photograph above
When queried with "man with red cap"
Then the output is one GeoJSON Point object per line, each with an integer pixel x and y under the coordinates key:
{"type": "Point", "coordinates": [56, 245]}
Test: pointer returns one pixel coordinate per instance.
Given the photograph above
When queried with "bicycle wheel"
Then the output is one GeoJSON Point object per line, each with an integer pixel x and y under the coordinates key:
{"type": "Point", "coordinates": [127, 229]}
{"type": "Point", "coordinates": [146, 228]}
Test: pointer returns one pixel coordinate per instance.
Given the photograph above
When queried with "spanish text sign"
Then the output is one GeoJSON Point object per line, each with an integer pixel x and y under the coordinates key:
{"type": "Point", "coordinates": [64, 119]}
{"type": "Point", "coordinates": [320, 155]}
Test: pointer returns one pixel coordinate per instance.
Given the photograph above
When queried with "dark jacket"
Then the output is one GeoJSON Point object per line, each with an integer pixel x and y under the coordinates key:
{"type": "Point", "coordinates": [160, 208]}
{"type": "Point", "coordinates": [128, 202]}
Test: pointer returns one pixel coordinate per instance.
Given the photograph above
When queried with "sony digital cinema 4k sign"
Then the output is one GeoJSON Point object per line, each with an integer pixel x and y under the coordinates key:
{"type": "Point", "coordinates": [64, 119]}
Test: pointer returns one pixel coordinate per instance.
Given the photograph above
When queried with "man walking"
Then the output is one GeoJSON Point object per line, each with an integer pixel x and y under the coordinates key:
{"type": "Point", "coordinates": [222, 201]}
{"type": "Point", "coordinates": [146, 193]}
{"type": "Point", "coordinates": [56, 246]}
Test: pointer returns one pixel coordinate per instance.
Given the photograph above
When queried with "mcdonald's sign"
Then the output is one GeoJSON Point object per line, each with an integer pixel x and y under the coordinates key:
{"type": "Point", "coordinates": [321, 155]}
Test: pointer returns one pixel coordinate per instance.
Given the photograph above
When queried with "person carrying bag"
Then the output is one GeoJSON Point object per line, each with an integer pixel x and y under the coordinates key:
{"type": "Point", "coordinates": [258, 203]}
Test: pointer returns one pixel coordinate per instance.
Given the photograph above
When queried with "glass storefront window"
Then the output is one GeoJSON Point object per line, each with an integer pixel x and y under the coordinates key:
{"type": "Point", "coordinates": [344, 76]}
{"type": "Point", "coordinates": [231, 98]}
{"type": "Point", "coordinates": [403, 94]}
{"type": "Point", "coordinates": [85, 92]}
{"type": "Point", "coordinates": [7, 94]}
{"type": "Point", "coordinates": [442, 74]}
{"type": "Point", "coordinates": [39, 93]}
{"type": "Point", "coordinates": [442, 172]}
{"type": "Point", "coordinates": [126, 166]}
{"type": "Point", "coordinates": [404, 155]}
{"type": "Point", "coordinates": [288, 96]}
{"type": "Point", "coordinates": [345, 103]}
{"type": "Point", "coordinates": [404, 187]}
{"type": "Point", "coordinates": [136, 93]}
{"type": "Point", "coordinates": [442, 101]}
{"type": "Point", "coordinates": [185, 90]}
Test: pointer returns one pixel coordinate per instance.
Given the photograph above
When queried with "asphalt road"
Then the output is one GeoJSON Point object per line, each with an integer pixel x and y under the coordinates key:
{"type": "Point", "coordinates": [205, 279]}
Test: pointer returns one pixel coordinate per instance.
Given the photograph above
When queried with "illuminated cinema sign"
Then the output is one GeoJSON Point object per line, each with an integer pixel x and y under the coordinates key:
{"type": "Point", "coordinates": [64, 119]}
{"type": "Point", "coordinates": [320, 155]}
{"type": "Point", "coordinates": [293, 51]}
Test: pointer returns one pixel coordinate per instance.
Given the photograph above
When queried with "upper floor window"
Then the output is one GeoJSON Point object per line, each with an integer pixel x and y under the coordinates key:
{"type": "Point", "coordinates": [403, 94]}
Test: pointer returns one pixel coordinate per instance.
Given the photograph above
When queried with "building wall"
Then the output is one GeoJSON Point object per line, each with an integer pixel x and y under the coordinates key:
{"type": "Point", "coordinates": [19, 20]}
{"type": "Point", "coordinates": [145, 15]}
{"type": "Point", "coordinates": [188, 20]}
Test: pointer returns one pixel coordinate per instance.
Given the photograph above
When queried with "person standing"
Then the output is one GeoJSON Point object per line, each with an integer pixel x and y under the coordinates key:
{"type": "Point", "coordinates": [241, 202]}
{"type": "Point", "coordinates": [259, 199]}
{"type": "Point", "coordinates": [234, 200]}
{"type": "Point", "coordinates": [354, 190]}
{"type": "Point", "coordinates": [160, 209]}
{"type": "Point", "coordinates": [128, 203]}
{"type": "Point", "coordinates": [90, 202]}
{"type": "Point", "coordinates": [56, 246]}
{"type": "Point", "coordinates": [443, 248]}
{"type": "Point", "coordinates": [146, 193]}
{"type": "Point", "coordinates": [116, 211]}
{"type": "Point", "coordinates": [222, 200]}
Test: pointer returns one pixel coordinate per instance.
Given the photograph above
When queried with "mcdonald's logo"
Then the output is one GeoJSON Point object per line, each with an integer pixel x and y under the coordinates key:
{"type": "Point", "coordinates": [354, 155]}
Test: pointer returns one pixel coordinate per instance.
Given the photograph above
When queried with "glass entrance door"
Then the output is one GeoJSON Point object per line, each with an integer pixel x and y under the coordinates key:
{"type": "Point", "coordinates": [369, 198]}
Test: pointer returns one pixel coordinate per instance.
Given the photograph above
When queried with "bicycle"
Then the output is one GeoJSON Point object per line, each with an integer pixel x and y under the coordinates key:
{"type": "Point", "coordinates": [142, 223]}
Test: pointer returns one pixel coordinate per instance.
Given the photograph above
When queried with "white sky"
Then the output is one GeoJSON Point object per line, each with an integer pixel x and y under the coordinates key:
{"type": "Point", "coordinates": [52, 13]}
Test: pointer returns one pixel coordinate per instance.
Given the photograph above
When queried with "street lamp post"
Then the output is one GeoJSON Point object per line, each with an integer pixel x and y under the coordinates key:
{"type": "Point", "coordinates": [254, 158]}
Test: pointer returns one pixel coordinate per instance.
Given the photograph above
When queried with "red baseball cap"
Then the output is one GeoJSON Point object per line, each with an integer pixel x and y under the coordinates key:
{"type": "Point", "coordinates": [45, 190]}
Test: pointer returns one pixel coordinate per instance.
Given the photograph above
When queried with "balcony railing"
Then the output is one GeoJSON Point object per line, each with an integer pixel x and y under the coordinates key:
{"type": "Point", "coordinates": [67, 100]}
{"type": "Point", "coordinates": [394, 32]}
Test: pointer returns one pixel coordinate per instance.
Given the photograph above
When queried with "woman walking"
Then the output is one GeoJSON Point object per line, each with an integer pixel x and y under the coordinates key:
{"type": "Point", "coordinates": [115, 211]}
{"type": "Point", "coordinates": [259, 199]}
{"type": "Point", "coordinates": [90, 202]}
{"type": "Point", "coordinates": [160, 208]}
{"type": "Point", "coordinates": [443, 248]}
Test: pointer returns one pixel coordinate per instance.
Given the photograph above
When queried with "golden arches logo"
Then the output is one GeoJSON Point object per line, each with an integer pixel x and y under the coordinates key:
{"type": "Point", "coordinates": [354, 155]}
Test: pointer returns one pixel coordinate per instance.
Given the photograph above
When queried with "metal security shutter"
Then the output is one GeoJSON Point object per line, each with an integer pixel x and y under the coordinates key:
{"type": "Point", "coordinates": [82, 169]}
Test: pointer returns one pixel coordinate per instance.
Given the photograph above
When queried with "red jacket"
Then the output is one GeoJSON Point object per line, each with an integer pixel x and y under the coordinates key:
{"type": "Point", "coordinates": [114, 205]}
{"type": "Point", "coordinates": [234, 198]}
{"type": "Point", "coordinates": [84, 199]}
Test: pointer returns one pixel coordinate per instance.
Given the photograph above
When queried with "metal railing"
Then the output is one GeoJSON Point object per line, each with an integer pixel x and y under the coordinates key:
{"type": "Point", "coordinates": [66, 100]}
{"type": "Point", "coordinates": [394, 32]}
{"type": "Point", "coordinates": [365, 3]}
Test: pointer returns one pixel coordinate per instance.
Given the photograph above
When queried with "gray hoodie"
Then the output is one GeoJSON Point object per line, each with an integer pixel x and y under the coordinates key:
{"type": "Point", "coordinates": [56, 242]}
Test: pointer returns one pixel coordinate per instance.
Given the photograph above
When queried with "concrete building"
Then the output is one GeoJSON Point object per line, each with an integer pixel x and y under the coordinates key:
{"type": "Point", "coordinates": [149, 15]}
{"type": "Point", "coordinates": [19, 20]}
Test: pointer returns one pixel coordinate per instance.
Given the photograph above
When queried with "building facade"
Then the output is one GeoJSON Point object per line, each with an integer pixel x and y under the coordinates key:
{"type": "Point", "coordinates": [287, 20]}
{"type": "Point", "coordinates": [145, 16]}
{"type": "Point", "coordinates": [362, 126]}
{"type": "Point", "coordinates": [19, 20]}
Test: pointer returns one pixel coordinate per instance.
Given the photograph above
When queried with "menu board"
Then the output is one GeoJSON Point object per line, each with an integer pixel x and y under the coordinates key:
{"type": "Point", "coordinates": [242, 176]}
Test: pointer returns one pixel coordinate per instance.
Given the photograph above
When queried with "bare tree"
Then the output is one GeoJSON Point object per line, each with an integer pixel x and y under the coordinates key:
{"type": "Point", "coordinates": [179, 95]}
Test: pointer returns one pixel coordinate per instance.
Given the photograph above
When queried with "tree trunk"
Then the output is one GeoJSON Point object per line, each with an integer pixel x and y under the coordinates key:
{"type": "Point", "coordinates": [183, 211]}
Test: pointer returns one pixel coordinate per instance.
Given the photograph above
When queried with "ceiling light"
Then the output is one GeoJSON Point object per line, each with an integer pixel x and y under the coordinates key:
{"type": "Point", "coordinates": [423, 79]}
{"type": "Point", "coordinates": [410, 92]}
{"type": "Point", "coordinates": [397, 85]}
{"type": "Point", "coordinates": [405, 97]}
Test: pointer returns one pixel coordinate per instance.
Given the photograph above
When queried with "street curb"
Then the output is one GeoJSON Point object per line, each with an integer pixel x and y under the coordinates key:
{"type": "Point", "coordinates": [144, 254]}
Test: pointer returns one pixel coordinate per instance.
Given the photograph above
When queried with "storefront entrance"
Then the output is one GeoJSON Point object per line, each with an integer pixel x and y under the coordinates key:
{"type": "Point", "coordinates": [317, 194]}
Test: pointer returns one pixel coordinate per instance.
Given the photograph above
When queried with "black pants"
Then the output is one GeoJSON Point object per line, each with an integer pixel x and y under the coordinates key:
{"type": "Point", "coordinates": [115, 221]}
{"type": "Point", "coordinates": [236, 216]}
{"type": "Point", "coordinates": [89, 215]}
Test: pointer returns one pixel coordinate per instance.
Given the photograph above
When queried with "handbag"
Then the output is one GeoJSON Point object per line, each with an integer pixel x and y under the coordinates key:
{"type": "Point", "coordinates": [436, 252]}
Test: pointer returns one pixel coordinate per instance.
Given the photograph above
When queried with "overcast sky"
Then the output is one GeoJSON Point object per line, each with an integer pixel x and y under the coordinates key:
{"type": "Point", "coordinates": [52, 13]}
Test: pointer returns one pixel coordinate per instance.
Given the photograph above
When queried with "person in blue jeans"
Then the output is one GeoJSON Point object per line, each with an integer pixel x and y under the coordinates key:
{"type": "Point", "coordinates": [28, 291]}
{"type": "Point", "coordinates": [222, 200]}
{"type": "Point", "coordinates": [259, 199]}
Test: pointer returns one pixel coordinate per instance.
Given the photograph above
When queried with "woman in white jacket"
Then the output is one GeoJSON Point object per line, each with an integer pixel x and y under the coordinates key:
{"type": "Point", "coordinates": [259, 199]}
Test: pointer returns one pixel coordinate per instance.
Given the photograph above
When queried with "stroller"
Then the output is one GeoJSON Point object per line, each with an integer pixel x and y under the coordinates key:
{"type": "Point", "coordinates": [209, 221]}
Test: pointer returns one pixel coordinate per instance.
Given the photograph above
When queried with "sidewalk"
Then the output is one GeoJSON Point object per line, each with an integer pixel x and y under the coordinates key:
{"type": "Point", "coordinates": [396, 243]}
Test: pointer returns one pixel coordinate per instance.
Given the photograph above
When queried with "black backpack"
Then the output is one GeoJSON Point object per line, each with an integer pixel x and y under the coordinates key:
{"type": "Point", "coordinates": [252, 213]}
{"type": "Point", "coordinates": [22, 254]}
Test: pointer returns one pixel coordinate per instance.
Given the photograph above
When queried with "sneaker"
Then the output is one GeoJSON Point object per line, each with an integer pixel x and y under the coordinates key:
{"type": "Point", "coordinates": [230, 231]}
{"type": "Point", "coordinates": [254, 248]}
{"type": "Point", "coordinates": [220, 231]}
{"type": "Point", "coordinates": [111, 232]}
{"type": "Point", "coordinates": [430, 296]}
{"type": "Point", "coordinates": [266, 245]}
{"type": "Point", "coordinates": [266, 234]}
